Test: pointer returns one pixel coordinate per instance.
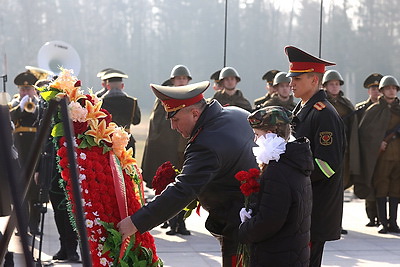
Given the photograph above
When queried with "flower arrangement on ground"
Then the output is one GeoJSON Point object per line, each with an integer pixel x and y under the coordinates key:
{"type": "Point", "coordinates": [108, 176]}
{"type": "Point", "coordinates": [250, 185]}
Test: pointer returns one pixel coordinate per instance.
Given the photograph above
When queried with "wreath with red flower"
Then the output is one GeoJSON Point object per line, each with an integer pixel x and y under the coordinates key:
{"type": "Point", "coordinates": [108, 177]}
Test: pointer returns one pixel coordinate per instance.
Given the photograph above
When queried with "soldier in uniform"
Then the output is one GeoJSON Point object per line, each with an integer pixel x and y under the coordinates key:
{"type": "Point", "coordinates": [380, 152]}
{"type": "Point", "coordinates": [24, 112]}
{"type": "Point", "coordinates": [164, 144]}
{"type": "Point", "coordinates": [215, 152]}
{"type": "Point", "coordinates": [283, 96]}
{"type": "Point", "coordinates": [316, 119]}
{"type": "Point", "coordinates": [269, 78]}
{"type": "Point", "coordinates": [103, 90]}
{"type": "Point", "coordinates": [332, 82]}
{"type": "Point", "coordinates": [124, 109]}
{"type": "Point", "coordinates": [217, 82]}
{"type": "Point", "coordinates": [371, 83]}
{"type": "Point", "coordinates": [230, 95]}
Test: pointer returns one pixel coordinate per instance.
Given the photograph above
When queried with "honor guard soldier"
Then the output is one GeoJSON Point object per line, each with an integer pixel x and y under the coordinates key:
{"type": "Point", "coordinates": [24, 113]}
{"type": "Point", "coordinates": [283, 96]}
{"type": "Point", "coordinates": [380, 153]}
{"type": "Point", "coordinates": [371, 83]}
{"type": "Point", "coordinates": [316, 119]}
{"type": "Point", "coordinates": [124, 109]}
{"type": "Point", "coordinates": [100, 75]}
{"type": "Point", "coordinates": [217, 85]}
{"type": "Point", "coordinates": [220, 143]}
{"type": "Point", "coordinates": [332, 83]}
{"type": "Point", "coordinates": [230, 95]}
{"type": "Point", "coordinates": [269, 78]}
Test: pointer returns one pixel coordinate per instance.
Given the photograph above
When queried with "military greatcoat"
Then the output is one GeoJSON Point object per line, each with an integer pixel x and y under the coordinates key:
{"type": "Point", "coordinates": [320, 123]}
{"type": "Point", "coordinates": [237, 99]}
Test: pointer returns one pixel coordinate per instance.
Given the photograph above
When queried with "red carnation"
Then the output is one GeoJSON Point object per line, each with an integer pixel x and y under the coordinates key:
{"type": "Point", "coordinates": [165, 175]}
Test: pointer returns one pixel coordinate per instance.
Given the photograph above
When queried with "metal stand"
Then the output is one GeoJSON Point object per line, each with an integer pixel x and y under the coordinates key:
{"type": "Point", "coordinates": [17, 216]}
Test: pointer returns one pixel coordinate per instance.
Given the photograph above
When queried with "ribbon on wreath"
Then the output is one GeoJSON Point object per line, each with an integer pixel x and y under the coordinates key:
{"type": "Point", "coordinates": [120, 193]}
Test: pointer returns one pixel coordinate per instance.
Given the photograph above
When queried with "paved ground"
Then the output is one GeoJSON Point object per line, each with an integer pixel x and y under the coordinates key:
{"type": "Point", "coordinates": [363, 246]}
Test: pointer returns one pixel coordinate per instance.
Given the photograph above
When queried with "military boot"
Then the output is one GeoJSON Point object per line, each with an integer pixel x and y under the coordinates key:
{"type": "Point", "coordinates": [382, 214]}
{"type": "Point", "coordinates": [9, 259]}
{"type": "Point", "coordinates": [181, 224]}
{"type": "Point", "coordinates": [393, 204]}
{"type": "Point", "coordinates": [173, 223]}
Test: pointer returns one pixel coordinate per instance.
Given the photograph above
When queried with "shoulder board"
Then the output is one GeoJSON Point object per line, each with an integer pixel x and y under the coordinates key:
{"type": "Point", "coordinates": [319, 106]}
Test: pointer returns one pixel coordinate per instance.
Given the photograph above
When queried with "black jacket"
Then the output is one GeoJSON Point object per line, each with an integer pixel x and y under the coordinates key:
{"type": "Point", "coordinates": [220, 146]}
{"type": "Point", "coordinates": [279, 231]}
{"type": "Point", "coordinates": [320, 123]}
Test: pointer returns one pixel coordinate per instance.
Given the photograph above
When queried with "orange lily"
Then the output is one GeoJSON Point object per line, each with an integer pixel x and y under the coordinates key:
{"type": "Point", "coordinates": [99, 131]}
{"type": "Point", "coordinates": [126, 159]}
{"type": "Point", "coordinates": [94, 112]}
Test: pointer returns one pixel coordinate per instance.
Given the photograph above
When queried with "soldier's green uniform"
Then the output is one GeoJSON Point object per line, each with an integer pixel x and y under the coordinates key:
{"type": "Point", "coordinates": [381, 168]}
{"type": "Point", "coordinates": [347, 112]}
{"type": "Point", "coordinates": [227, 99]}
{"type": "Point", "coordinates": [269, 78]}
{"type": "Point", "coordinates": [370, 204]}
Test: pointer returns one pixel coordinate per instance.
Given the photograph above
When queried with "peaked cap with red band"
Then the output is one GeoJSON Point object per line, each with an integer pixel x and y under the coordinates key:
{"type": "Point", "coordinates": [174, 98]}
{"type": "Point", "coordinates": [302, 62]}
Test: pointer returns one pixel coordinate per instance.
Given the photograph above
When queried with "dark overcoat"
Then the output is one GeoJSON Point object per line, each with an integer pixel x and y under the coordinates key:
{"type": "Point", "coordinates": [320, 123]}
{"type": "Point", "coordinates": [279, 230]}
{"type": "Point", "coordinates": [220, 146]}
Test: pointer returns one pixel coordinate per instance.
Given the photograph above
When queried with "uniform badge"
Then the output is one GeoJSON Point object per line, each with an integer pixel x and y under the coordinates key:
{"type": "Point", "coordinates": [325, 138]}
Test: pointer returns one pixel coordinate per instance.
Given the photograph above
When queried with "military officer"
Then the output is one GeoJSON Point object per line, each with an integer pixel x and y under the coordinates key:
{"type": "Point", "coordinates": [103, 90]}
{"type": "Point", "coordinates": [124, 109]}
{"type": "Point", "coordinates": [24, 111]}
{"type": "Point", "coordinates": [283, 96]}
{"type": "Point", "coordinates": [269, 78]}
{"type": "Point", "coordinates": [316, 119]}
{"type": "Point", "coordinates": [215, 152]}
{"type": "Point", "coordinates": [371, 83]}
{"type": "Point", "coordinates": [230, 95]}
{"type": "Point", "coordinates": [380, 152]}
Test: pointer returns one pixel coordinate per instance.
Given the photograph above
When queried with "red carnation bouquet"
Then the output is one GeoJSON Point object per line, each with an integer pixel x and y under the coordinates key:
{"type": "Point", "coordinates": [109, 178]}
{"type": "Point", "coordinates": [249, 185]}
{"type": "Point", "coordinates": [165, 175]}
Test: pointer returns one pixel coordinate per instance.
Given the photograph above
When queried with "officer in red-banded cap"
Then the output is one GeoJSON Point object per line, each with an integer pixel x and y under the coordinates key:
{"type": "Point", "coordinates": [316, 119]}
{"type": "Point", "coordinates": [220, 142]}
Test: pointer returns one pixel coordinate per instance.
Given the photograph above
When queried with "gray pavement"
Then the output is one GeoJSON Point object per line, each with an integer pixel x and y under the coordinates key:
{"type": "Point", "coordinates": [363, 246]}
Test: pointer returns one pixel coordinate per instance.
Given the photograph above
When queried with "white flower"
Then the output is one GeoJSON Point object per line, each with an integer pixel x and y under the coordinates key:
{"type": "Point", "coordinates": [89, 204]}
{"type": "Point", "coordinates": [89, 223]}
{"type": "Point", "coordinates": [270, 147]}
{"type": "Point", "coordinates": [103, 261]}
{"type": "Point", "coordinates": [102, 238]}
{"type": "Point", "coordinates": [82, 156]}
{"type": "Point", "coordinates": [100, 247]}
{"type": "Point", "coordinates": [86, 191]}
{"type": "Point", "coordinates": [82, 177]}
